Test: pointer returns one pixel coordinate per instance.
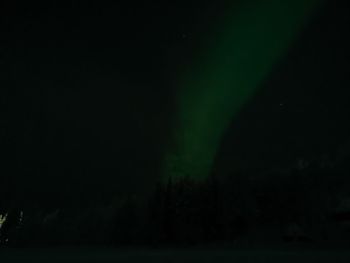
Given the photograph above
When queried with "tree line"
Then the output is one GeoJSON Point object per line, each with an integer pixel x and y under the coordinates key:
{"type": "Point", "coordinates": [302, 205]}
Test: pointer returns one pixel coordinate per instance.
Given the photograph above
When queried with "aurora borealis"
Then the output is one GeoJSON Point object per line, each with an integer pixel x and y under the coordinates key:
{"type": "Point", "coordinates": [250, 40]}
{"type": "Point", "coordinates": [175, 125]}
{"type": "Point", "coordinates": [111, 98]}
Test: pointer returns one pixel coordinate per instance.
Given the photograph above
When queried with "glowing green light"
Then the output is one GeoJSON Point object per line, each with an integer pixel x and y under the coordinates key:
{"type": "Point", "coordinates": [233, 66]}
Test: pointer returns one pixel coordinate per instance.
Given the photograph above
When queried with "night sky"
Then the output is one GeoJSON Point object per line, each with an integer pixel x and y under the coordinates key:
{"type": "Point", "coordinates": [90, 93]}
{"type": "Point", "coordinates": [301, 110]}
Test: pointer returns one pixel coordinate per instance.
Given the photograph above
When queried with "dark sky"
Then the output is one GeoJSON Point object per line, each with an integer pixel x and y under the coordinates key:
{"type": "Point", "coordinates": [87, 93]}
{"type": "Point", "coordinates": [302, 110]}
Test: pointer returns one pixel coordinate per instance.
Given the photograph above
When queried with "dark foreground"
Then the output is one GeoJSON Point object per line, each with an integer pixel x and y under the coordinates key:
{"type": "Point", "coordinates": [169, 255]}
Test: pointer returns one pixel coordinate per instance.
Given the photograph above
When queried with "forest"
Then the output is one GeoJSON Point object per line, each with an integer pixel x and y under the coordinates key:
{"type": "Point", "coordinates": [303, 205]}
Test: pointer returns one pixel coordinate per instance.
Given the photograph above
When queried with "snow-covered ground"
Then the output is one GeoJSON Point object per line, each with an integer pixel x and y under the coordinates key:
{"type": "Point", "coordinates": [170, 256]}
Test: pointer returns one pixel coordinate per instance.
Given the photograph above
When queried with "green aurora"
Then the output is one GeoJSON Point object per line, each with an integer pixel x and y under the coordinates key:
{"type": "Point", "coordinates": [234, 63]}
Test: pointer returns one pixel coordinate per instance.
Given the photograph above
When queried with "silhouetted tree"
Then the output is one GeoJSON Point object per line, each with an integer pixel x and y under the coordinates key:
{"type": "Point", "coordinates": [169, 212]}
